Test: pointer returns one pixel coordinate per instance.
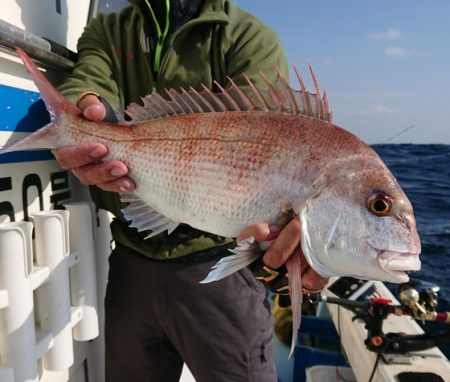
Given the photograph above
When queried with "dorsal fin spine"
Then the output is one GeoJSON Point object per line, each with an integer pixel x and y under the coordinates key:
{"type": "Point", "coordinates": [325, 104]}
{"type": "Point", "coordinates": [306, 101]}
{"type": "Point", "coordinates": [228, 97]}
{"type": "Point", "coordinates": [292, 103]}
{"type": "Point", "coordinates": [167, 106]}
{"type": "Point", "coordinates": [273, 93]}
{"type": "Point", "coordinates": [214, 98]}
{"type": "Point", "coordinates": [183, 102]}
{"type": "Point", "coordinates": [149, 106]}
{"type": "Point", "coordinates": [316, 86]}
{"type": "Point", "coordinates": [158, 106]}
{"type": "Point", "coordinates": [249, 105]}
{"type": "Point", "coordinates": [202, 100]}
{"type": "Point", "coordinates": [172, 93]}
{"type": "Point", "coordinates": [257, 94]}
{"type": "Point", "coordinates": [193, 101]}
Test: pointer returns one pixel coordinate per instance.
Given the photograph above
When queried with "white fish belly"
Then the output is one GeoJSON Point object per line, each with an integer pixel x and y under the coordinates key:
{"type": "Point", "coordinates": [217, 194]}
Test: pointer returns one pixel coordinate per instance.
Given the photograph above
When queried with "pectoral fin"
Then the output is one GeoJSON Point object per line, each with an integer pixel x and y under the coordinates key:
{"type": "Point", "coordinates": [244, 254]}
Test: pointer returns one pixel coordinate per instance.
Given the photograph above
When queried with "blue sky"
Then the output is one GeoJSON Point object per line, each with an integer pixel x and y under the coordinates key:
{"type": "Point", "coordinates": [385, 64]}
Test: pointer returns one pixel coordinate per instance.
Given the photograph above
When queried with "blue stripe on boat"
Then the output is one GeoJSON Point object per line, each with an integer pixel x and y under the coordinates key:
{"type": "Point", "coordinates": [21, 110]}
{"type": "Point", "coordinates": [26, 156]}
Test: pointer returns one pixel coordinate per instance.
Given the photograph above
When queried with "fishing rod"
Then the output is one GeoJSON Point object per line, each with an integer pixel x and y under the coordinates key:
{"type": "Point", "coordinates": [399, 133]}
{"type": "Point", "coordinates": [397, 310]}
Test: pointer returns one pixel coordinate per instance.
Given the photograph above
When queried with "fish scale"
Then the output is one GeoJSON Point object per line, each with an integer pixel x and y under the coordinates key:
{"type": "Point", "coordinates": [273, 153]}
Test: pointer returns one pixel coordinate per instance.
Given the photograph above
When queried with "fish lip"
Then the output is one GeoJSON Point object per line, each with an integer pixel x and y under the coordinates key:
{"type": "Point", "coordinates": [396, 264]}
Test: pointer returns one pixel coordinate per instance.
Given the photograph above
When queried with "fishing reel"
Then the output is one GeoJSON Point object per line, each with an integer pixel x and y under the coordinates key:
{"type": "Point", "coordinates": [421, 297]}
{"type": "Point", "coordinates": [418, 300]}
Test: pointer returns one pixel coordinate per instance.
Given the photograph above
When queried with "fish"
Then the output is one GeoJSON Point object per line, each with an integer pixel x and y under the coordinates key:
{"type": "Point", "coordinates": [221, 162]}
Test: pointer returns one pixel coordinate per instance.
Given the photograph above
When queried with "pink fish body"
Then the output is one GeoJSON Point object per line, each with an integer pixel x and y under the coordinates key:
{"type": "Point", "coordinates": [223, 162]}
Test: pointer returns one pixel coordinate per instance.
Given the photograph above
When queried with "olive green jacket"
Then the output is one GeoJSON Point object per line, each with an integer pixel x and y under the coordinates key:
{"type": "Point", "coordinates": [114, 62]}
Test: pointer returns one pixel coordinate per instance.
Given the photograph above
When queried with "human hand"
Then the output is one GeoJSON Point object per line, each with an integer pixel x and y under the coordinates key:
{"type": "Point", "coordinates": [85, 160]}
{"type": "Point", "coordinates": [286, 242]}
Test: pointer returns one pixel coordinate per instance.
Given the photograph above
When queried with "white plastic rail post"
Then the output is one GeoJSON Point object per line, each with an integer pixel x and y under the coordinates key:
{"type": "Point", "coordinates": [17, 325]}
{"type": "Point", "coordinates": [83, 274]}
{"type": "Point", "coordinates": [53, 297]}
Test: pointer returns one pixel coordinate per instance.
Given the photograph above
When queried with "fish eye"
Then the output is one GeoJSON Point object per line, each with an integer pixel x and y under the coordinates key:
{"type": "Point", "coordinates": [379, 204]}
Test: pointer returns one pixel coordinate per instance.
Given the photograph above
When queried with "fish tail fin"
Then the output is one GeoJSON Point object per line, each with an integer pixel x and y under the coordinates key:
{"type": "Point", "coordinates": [55, 102]}
{"type": "Point", "coordinates": [46, 137]}
{"type": "Point", "coordinates": [293, 266]}
{"type": "Point", "coordinates": [49, 136]}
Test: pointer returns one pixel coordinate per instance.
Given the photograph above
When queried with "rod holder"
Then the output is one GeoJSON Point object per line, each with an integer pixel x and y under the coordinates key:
{"type": "Point", "coordinates": [17, 325]}
{"type": "Point", "coordinates": [53, 297]}
{"type": "Point", "coordinates": [83, 273]}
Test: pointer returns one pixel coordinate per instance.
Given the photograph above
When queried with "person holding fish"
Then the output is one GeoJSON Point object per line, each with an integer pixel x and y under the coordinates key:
{"type": "Point", "coordinates": [226, 163]}
{"type": "Point", "coordinates": [267, 169]}
{"type": "Point", "coordinates": [271, 170]}
{"type": "Point", "coordinates": [157, 313]}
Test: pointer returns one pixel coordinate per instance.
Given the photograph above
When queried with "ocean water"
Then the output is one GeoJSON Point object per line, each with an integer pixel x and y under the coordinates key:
{"type": "Point", "coordinates": [424, 173]}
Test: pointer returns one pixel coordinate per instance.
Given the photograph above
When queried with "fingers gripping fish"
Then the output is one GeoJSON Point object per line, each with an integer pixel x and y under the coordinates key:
{"type": "Point", "coordinates": [222, 162]}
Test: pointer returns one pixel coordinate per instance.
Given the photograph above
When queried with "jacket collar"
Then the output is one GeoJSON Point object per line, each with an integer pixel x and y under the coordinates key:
{"type": "Point", "coordinates": [213, 11]}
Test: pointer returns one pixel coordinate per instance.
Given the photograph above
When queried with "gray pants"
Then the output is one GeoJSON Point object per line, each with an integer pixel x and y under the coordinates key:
{"type": "Point", "coordinates": [159, 316]}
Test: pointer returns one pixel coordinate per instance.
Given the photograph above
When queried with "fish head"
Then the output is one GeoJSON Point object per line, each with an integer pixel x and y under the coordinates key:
{"type": "Point", "coordinates": [361, 224]}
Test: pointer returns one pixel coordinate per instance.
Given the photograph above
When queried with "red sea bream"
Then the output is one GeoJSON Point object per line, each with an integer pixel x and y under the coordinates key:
{"type": "Point", "coordinates": [222, 162]}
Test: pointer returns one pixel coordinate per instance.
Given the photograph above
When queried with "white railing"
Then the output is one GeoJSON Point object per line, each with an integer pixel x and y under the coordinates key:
{"type": "Point", "coordinates": [48, 292]}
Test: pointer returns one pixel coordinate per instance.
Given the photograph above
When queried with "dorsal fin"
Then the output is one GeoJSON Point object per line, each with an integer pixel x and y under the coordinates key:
{"type": "Point", "coordinates": [278, 97]}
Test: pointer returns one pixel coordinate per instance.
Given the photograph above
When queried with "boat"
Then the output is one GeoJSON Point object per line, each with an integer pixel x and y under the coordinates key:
{"type": "Point", "coordinates": [53, 266]}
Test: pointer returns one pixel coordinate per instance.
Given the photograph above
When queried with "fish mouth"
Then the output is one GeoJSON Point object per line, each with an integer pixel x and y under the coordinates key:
{"type": "Point", "coordinates": [396, 264]}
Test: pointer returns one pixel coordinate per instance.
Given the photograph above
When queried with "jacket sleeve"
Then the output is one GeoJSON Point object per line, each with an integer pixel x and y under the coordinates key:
{"type": "Point", "coordinates": [252, 47]}
{"type": "Point", "coordinates": [93, 69]}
